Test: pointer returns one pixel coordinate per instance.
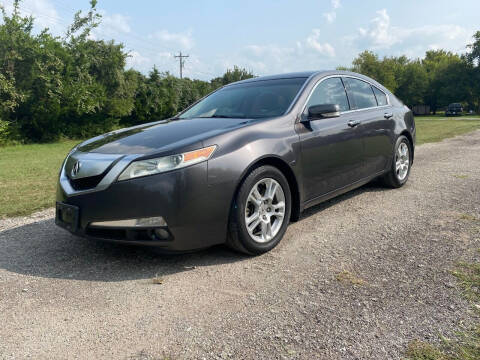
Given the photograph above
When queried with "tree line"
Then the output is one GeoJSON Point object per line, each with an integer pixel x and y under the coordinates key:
{"type": "Point", "coordinates": [74, 86]}
{"type": "Point", "coordinates": [440, 78]}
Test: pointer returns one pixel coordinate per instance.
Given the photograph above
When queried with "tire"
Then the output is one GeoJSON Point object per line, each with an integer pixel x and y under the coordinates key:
{"type": "Point", "coordinates": [247, 203]}
{"type": "Point", "coordinates": [397, 178]}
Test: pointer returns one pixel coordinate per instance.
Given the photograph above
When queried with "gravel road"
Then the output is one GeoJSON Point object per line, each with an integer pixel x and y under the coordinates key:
{"type": "Point", "coordinates": [359, 277]}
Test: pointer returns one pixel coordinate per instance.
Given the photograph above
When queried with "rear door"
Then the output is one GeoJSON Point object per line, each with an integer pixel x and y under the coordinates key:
{"type": "Point", "coordinates": [376, 124]}
{"type": "Point", "coordinates": [332, 150]}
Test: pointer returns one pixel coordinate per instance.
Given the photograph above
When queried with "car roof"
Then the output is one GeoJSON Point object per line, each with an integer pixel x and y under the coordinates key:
{"type": "Point", "coordinates": [301, 74]}
{"type": "Point", "coordinates": [313, 75]}
{"type": "Point", "coordinates": [305, 74]}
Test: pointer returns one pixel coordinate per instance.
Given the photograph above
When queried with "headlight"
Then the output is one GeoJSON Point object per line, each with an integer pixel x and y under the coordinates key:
{"type": "Point", "coordinates": [167, 163]}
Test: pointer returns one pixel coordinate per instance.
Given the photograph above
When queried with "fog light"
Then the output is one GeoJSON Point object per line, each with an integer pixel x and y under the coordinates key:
{"type": "Point", "coordinates": [162, 234]}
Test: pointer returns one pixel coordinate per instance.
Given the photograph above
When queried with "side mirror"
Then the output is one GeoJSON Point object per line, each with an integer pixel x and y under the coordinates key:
{"type": "Point", "coordinates": [323, 111]}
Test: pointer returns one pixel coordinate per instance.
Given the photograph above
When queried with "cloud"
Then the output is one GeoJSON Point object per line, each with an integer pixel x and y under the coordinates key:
{"type": "Point", "coordinates": [44, 12]}
{"type": "Point", "coordinates": [159, 49]}
{"type": "Point", "coordinates": [307, 53]}
{"type": "Point", "coordinates": [184, 40]}
{"type": "Point", "coordinates": [274, 50]}
{"type": "Point", "coordinates": [323, 48]}
{"type": "Point", "coordinates": [111, 26]}
{"type": "Point", "coordinates": [116, 23]}
{"type": "Point", "coordinates": [144, 60]}
{"type": "Point", "coordinates": [332, 15]}
{"type": "Point", "coordinates": [263, 58]}
{"type": "Point", "coordinates": [380, 34]}
{"type": "Point", "coordinates": [137, 60]}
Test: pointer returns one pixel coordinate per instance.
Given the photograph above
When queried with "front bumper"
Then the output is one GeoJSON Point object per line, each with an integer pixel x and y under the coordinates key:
{"type": "Point", "coordinates": [196, 214]}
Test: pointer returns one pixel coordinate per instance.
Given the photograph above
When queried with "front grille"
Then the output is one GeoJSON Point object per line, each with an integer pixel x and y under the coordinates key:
{"type": "Point", "coordinates": [86, 183]}
{"type": "Point", "coordinates": [89, 182]}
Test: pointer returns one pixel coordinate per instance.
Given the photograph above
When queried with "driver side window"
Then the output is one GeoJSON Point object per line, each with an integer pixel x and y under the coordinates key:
{"type": "Point", "coordinates": [330, 91]}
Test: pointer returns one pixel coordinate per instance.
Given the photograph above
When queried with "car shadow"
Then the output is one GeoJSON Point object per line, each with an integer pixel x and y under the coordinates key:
{"type": "Point", "coordinates": [44, 250]}
{"type": "Point", "coordinates": [373, 186]}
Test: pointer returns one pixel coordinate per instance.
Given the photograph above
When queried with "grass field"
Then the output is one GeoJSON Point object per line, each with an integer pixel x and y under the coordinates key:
{"type": "Point", "coordinates": [442, 116]}
{"type": "Point", "coordinates": [28, 173]}
{"type": "Point", "coordinates": [28, 176]}
{"type": "Point", "coordinates": [436, 129]}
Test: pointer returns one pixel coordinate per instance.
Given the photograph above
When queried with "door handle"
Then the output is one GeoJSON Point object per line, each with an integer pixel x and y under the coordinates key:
{"type": "Point", "coordinates": [353, 123]}
{"type": "Point", "coordinates": [388, 115]}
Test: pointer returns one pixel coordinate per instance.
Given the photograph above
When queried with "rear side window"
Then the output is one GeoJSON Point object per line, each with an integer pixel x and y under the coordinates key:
{"type": "Point", "coordinates": [380, 95]}
{"type": "Point", "coordinates": [330, 91]}
{"type": "Point", "coordinates": [362, 93]}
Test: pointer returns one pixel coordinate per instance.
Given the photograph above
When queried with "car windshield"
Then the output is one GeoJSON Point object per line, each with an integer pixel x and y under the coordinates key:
{"type": "Point", "coordinates": [256, 99]}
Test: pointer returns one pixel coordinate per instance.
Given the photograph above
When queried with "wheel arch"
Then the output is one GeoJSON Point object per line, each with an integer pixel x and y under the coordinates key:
{"type": "Point", "coordinates": [286, 171]}
{"type": "Point", "coordinates": [407, 134]}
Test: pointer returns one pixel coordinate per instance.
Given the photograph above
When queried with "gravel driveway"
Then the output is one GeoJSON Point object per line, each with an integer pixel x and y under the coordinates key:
{"type": "Point", "coordinates": [358, 277]}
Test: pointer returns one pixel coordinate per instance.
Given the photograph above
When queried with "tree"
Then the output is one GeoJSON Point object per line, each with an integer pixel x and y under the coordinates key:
{"type": "Point", "coordinates": [31, 69]}
{"type": "Point", "coordinates": [54, 87]}
{"type": "Point", "coordinates": [473, 59]}
{"type": "Point", "coordinates": [412, 83]}
{"type": "Point", "coordinates": [446, 78]}
{"type": "Point", "coordinates": [230, 76]}
{"type": "Point", "coordinates": [474, 49]}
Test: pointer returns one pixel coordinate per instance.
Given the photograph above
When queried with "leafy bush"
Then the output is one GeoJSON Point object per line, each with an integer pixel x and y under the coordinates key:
{"type": "Point", "coordinates": [76, 87]}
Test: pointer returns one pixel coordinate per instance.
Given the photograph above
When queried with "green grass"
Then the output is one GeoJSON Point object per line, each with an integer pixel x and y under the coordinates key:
{"type": "Point", "coordinates": [28, 176]}
{"type": "Point", "coordinates": [442, 116]}
{"type": "Point", "coordinates": [419, 350]}
{"type": "Point", "coordinates": [432, 130]}
{"type": "Point", "coordinates": [466, 345]}
{"type": "Point", "coordinates": [28, 173]}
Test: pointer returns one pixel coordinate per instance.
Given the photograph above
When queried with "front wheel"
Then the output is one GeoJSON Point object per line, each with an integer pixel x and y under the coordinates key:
{"type": "Point", "coordinates": [401, 164]}
{"type": "Point", "coordinates": [261, 211]}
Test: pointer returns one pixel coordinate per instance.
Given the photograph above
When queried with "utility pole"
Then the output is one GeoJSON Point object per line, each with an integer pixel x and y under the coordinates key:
{"type": "Point", "coordinates": [182, 62]}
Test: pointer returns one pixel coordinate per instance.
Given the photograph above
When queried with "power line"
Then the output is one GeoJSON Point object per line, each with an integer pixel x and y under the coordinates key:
{"type": "Point", "coordinates": [182, 62]}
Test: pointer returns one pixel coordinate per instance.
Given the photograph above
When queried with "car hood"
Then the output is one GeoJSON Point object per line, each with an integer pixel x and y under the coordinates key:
{"type": "Point", "coordinates": [159, 136]}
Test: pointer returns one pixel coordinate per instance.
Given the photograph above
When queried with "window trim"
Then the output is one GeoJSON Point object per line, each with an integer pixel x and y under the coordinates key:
{"type": "Point", "coordinates": [383, 92]}
{"type": "Point", "coordinates": [341, 76]}
{"type": "Point", "coordinates": [350, 92]}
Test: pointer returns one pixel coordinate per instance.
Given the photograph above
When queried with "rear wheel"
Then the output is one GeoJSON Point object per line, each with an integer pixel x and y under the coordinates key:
{"type": "Point", "coordinates": [261, 211]}
{"type": "Point", "coordinates": [401, 164]}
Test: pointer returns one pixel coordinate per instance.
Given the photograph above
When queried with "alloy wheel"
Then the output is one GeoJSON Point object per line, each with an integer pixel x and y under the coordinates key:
{"type": "Point", "coordinates": [402, 161]}
{"type": "Point", "coordinates": [265, 210]}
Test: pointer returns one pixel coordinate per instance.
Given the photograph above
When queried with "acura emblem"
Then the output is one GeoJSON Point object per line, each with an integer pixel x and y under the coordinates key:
{"type": "Point", "coordinates": [76, 168]}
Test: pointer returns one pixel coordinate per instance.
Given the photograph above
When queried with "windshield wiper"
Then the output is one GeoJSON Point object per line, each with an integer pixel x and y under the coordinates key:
{"type": "Point", "coordinates": [222, 117]}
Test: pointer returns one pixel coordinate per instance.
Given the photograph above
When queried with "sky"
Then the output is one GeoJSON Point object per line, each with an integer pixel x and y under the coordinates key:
{"type": "Point", "coordinates": [266, 36]}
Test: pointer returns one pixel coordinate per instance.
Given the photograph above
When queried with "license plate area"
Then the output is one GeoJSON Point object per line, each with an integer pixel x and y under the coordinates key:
{"type": "Point", "coordinates": [67, 216]}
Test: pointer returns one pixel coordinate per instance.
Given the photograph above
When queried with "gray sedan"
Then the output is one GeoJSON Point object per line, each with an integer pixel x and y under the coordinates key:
{"type": "Point", "coordinates": [237, 166]}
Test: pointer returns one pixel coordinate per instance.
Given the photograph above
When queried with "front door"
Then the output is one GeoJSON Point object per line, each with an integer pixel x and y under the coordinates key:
{"type": "Point", "coordinates": [332, 148]}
